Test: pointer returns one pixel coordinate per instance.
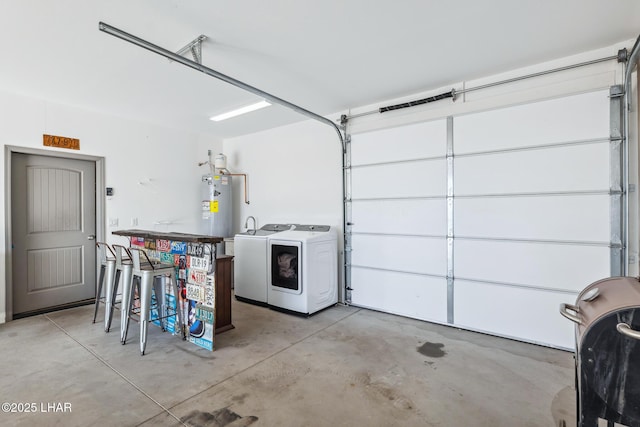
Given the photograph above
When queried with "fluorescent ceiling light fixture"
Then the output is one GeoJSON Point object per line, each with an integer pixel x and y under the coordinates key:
{"type": "Point", "coordinates": [239, 111]}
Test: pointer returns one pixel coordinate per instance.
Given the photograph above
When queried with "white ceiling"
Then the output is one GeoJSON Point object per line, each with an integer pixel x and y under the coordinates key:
{"type": "Point", "coordinates": [326, 56]}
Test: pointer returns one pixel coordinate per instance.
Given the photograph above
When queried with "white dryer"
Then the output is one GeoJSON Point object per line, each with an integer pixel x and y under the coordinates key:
{"type": "Point", "coordinates": [303, 269]}
{"type": "Point", "coordinates": [250, 263]}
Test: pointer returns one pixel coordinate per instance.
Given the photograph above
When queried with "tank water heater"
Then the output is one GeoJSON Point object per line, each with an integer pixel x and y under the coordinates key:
{"type": "Point", "coordinates": [216, 205]}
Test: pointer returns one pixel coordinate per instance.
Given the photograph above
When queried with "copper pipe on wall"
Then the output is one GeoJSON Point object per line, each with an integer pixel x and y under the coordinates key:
{"type": "Point", "coordinates": [244, 175]}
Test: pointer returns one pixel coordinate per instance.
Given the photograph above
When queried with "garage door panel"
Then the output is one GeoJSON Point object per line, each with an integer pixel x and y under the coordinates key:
{"type": "Point", "coordinates": [573, 118]}
{"type": "Point", "coordinates": [412, 179]}
{"type": "Point", "coordinates": [533, 171]}
{"type": "Point", "coordinates": [522, 192]}
{"type": "Point", "coordinates": [416, 141]}
{"type": "Point", "coordinates": [411, 254]}
{"type": "Point", "coordinates": [557, 266]}
{"type": "Point", "coordinates": [520, 313]}
{"type": "Point", "coordinates": [569, 218]}
{"type": "Point", "coordinates": [421, 216]}
{"type": "Point", "coordinates": [412, 295]}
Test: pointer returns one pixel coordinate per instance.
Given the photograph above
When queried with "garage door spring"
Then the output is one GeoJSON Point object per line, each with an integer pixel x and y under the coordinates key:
{"type": "Point", "coordinates": [445, 95]}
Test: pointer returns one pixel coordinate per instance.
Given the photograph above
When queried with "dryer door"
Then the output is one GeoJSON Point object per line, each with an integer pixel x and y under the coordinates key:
{"type": "Point", "coordinates": [285, 266]}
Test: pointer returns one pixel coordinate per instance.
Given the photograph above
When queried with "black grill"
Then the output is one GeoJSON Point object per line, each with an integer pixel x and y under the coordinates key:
{"type": "Point", "coordinates": [607, 317]}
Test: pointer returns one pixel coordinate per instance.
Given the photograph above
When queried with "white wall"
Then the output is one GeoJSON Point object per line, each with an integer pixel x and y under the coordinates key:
{"type": "Point", "coordinates": [153, 170]}
{"type": "Point", "coordinates": [294, 175]}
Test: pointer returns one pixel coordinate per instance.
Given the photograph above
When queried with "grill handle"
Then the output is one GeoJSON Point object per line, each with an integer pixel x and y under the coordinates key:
{"type": "Point", "coordinates": [566, 309]}
{"type": "Point", "coordinates": [625, 329]}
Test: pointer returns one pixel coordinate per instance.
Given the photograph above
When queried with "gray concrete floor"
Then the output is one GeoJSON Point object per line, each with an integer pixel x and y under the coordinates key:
{"type": "Point", "coordinates": [342, 367]}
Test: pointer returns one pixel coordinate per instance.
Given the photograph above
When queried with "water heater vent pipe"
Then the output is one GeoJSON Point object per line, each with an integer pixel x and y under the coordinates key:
{"type": "Point", "coordinates": [244, 176]}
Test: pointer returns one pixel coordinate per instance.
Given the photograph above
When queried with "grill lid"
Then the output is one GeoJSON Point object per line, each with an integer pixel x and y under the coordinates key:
{"type": "Point", "coordinates": [600, 299]}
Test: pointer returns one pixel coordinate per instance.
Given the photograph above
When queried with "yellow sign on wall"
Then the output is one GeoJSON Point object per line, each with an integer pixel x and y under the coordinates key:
{"type": "Point", "coordinates": [60, 142]}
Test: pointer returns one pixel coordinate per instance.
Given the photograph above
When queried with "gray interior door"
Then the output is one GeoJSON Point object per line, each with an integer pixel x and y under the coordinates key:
{"type": "Point", "coordinates": [53, 211]}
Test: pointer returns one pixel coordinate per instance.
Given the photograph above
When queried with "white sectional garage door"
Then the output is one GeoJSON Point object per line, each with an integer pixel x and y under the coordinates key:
{"type": "Point", "coordinates": [487, 221]}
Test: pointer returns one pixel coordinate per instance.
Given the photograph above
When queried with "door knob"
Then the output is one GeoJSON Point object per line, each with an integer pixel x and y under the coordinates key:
{"type": "Point", "coordinates": [91, 237]}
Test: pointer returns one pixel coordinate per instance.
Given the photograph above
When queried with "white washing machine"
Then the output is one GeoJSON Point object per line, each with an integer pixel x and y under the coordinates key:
{"type": "Point", "coordinates": [303, 269]}
{"type": "Point", "coordinates": [250, 263]}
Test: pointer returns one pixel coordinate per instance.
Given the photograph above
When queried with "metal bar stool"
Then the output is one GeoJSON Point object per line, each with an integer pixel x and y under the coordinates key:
{"type": "Point", "coordinates": [124, 275]}
{"type": "Point", "coordinates": [152, 276]}
{"type": "Point", "coordinates": [124, 265]}
{"type": "Point", "coordinates": [107, 272]}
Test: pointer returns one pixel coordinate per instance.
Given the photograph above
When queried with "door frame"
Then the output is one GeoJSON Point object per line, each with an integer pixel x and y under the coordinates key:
{"type": "Point", "coordinates": [100, 206]}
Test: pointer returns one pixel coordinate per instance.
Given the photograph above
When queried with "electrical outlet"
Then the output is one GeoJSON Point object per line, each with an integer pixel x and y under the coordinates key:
{"type": "Point", "coordinates": [134, 222]}
{"type": "Point", "coordinates": [113, 222]}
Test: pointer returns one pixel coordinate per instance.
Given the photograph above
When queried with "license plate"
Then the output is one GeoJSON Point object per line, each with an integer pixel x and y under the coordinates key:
{"type": "Point", "coordinates": [209, 297]}
{"type": "Point", "coordinates": [179, 248]}
{"type": "Point", "coordinates": [163, 245]}
{"type": "Point", "coordinates": [195, 249]}
{"type": "Point", "coordinates": [195, 292]}
{"type": "Point", "coordinates": [197, 277]}
{"type": "Point", "coordinates": [205, 314]}
{"type": "Point", "coordinates": [153, 255]}
{"type": "Point", "coordinates": [166, 258]}
{"type": "Point", "coordinates": [199, 263]}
